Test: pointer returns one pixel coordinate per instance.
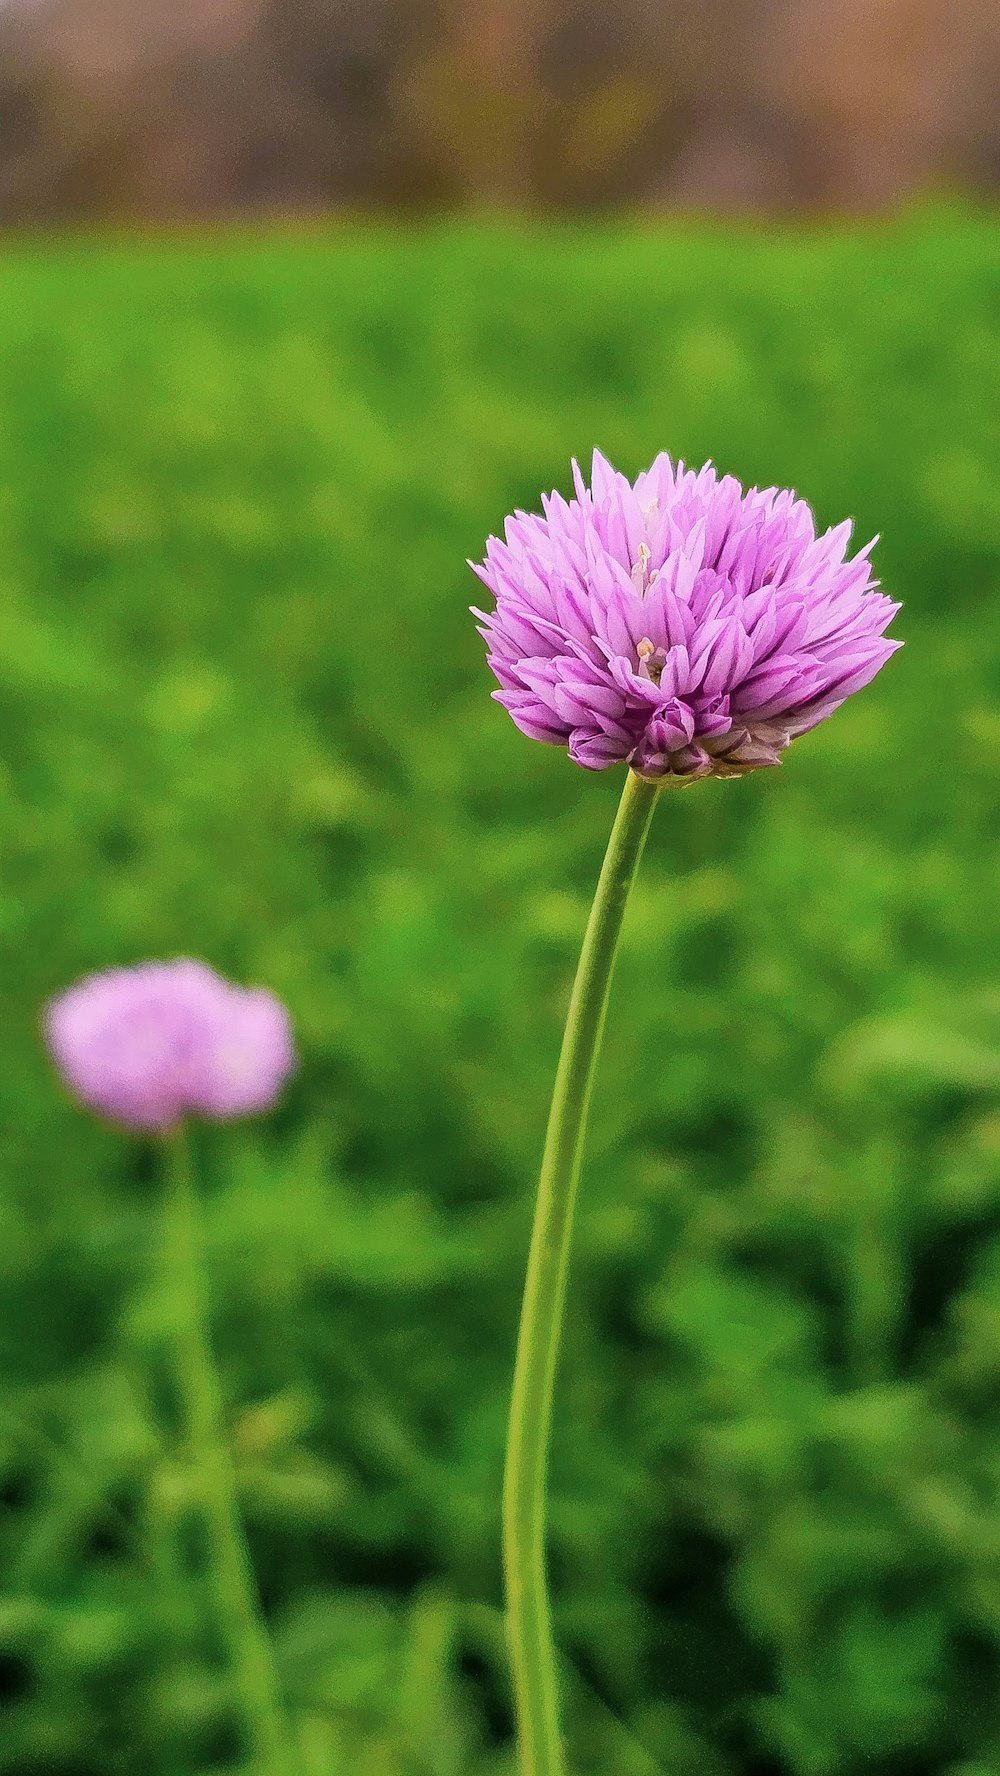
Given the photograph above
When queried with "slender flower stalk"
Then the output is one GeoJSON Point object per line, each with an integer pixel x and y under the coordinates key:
{"type": "Point", "coordinates": [229, 1569]}
{"type": "Point", "coordinates": [529, 1627]}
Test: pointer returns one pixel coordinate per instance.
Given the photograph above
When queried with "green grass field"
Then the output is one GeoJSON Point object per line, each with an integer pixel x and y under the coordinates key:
{"type": "Point", "coordinates": [244, 714]}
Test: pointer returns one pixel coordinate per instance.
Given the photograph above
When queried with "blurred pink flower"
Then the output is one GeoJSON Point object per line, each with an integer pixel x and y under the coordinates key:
{"type": "Point", "coordinates": [149, 1045]}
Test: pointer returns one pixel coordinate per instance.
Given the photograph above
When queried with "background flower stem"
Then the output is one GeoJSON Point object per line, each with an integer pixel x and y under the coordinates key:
{"type": "Point", "coordinates": [230, 1571]}
{"type": "Point", "coordinates": [528, 1618]}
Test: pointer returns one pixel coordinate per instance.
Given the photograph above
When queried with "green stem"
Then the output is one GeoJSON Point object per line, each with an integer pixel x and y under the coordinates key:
{"type": "Point", "coordinates": [528, 1620]}
{"type": "Point", "coordinates": [230, 1572]}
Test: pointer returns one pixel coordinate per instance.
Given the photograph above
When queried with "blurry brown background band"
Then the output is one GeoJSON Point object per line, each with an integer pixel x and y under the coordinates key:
{"type": "Point", "coordinates": [110, 108]}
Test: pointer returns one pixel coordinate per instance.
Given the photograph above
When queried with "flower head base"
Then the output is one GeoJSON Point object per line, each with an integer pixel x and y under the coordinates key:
{"type": "Point", "coordinates": [677, 624]}
{"type": "Point", "coordinates": [146, 1046]}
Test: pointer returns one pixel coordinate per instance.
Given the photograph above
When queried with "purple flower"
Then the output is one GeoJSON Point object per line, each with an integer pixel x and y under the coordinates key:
{"type": "Point", "coordinates": [678, 625]}
{"type": "Point", "coordinates": [149, 1045]}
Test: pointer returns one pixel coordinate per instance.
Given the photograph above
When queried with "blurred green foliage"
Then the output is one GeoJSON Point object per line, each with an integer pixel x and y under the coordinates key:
{"type": "Point", "coordinates": [245, 715]}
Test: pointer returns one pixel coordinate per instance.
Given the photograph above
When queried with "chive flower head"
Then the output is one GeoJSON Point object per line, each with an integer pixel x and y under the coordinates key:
{"type": "Point", "coordinates": [677, 624]}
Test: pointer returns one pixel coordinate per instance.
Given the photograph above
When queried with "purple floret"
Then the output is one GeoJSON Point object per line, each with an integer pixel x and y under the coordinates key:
{"type": "Point", "coordinates": [149, 1045]}
{"type": "Point", "coordinates": [678, 625]}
